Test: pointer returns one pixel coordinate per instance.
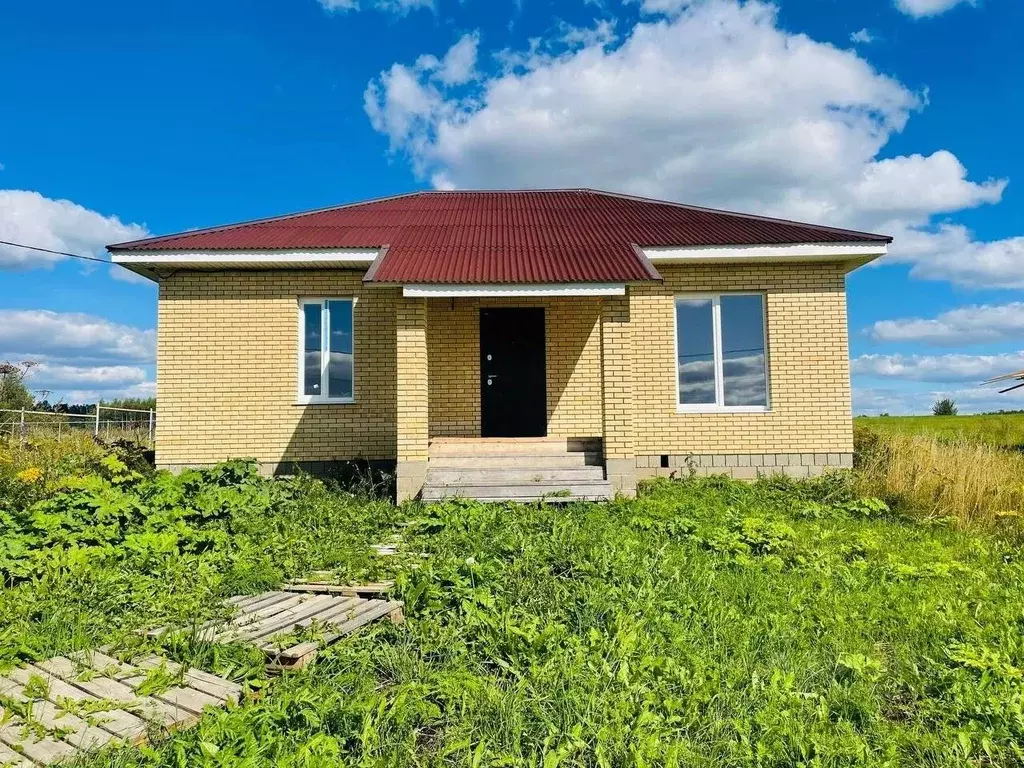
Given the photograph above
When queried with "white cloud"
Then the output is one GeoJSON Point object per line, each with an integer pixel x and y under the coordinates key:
{"type": "Point", "coordinates": [405, 98]}
{"type": "Point", "coordinates": [456, 68]}
{"type": "Point", "coordinates": [459, 64]}
{"type": "Point", "coordinates": [601, 34]}
{"type": "Point", "coordinates": [862, 36]}
{"type": "Point", "coordinates": [666, 7]}
{"type": "Point", "coordinates": [915, 186]}
{"type": "Point", "coordinates": [949, 252]}
{"type": "Point", "coordinates": [963, 325]}
{"type": "Point", "coordinates": [50, 377]}
{"type": "Point", "coordinates": [938, 368]}
{"type": "Point", "coordinates": [873, 401]}
{"type": "Point", "coordinates": [921, 8]}
{"type": "Point", "coordinates": [144, 389]}
{"type": "Point", "coordinates": [715, 104]}
{"type": "Point", "coordinates": [400, 7]}
{"type": "Point", "coordinates": [39, 334]}
{"type": "Point", "coordinates": [59, 225]}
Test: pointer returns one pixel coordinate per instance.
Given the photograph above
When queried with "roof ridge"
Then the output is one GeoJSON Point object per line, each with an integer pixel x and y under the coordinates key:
{"type": "Point", "coordinates": [265, 220]}
{"type": "Point", "coordinates": [738, 214]}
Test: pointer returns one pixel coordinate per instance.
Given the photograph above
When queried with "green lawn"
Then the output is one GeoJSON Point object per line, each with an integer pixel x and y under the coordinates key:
{"type": "Point", "coordinates": [706, 623]}
{"type": "Point", "coordinates": [1001, 429]}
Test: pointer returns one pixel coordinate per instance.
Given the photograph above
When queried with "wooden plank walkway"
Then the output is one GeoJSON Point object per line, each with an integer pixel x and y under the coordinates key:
{"type": "Point", "coordinates": [68, 705]}
{"type": "Point", "coordinates": [275, 622]}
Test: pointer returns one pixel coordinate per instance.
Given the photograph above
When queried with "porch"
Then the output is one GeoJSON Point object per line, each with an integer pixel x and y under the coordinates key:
{"type": "Point", "coordinates": [514, 397]}
{"type": "Point", "coordinates": [516, 469]}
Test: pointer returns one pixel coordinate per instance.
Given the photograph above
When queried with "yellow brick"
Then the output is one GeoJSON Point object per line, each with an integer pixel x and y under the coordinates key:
{"type": "Point", "coordinates": [228, 368]}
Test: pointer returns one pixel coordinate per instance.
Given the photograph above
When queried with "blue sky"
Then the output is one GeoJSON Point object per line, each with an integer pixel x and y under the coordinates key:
{"type": "Point", "coordinates": [901, 116]}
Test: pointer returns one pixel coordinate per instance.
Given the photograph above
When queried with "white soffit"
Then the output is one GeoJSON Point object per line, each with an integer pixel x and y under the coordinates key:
{"type": "Point", "coordinates": [859, 252]}
{"type": "Point", "coordinates": [247, 259]}
{"type": "Point", "coordinates": [521, 290]}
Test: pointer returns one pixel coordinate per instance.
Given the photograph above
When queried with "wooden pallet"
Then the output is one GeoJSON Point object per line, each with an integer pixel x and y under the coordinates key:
{"type": "Point", "coordinates": [269, 620]}
{"type": "Point", "coordinates": [69, 705]}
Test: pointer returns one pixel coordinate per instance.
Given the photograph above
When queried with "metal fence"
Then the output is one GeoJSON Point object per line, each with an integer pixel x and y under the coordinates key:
{"type": "Point", "coordinates": [104, 422]}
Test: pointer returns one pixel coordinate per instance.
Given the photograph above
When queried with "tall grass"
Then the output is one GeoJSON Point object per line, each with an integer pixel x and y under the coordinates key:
{"type": "Point", "coordinates": [1005, 430]}
{"type": "Point", "coordinates": [975, 483]}
{"type": "Point", "coordinates": [55, 457]}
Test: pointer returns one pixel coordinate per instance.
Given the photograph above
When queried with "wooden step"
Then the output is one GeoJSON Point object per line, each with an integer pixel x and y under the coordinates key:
{"type": "Point", "coordinates": [517, 461]}
{"type": "Point", "coordinates": [590, 490]}
{"type": "Point", "coordinates": [512, 476]}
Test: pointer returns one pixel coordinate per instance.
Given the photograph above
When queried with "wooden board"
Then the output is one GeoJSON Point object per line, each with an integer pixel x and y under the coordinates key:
{"type": "Point", "coordinates": [359, 615]}
{"type": "Point", "coordinates": [327, 587]}
{"type": "Point", "coordinates": [63, 707]}
{"type": "Point", "coordinates": [11, 759]}
{"type": "Point", "coordinates": [264, 619]}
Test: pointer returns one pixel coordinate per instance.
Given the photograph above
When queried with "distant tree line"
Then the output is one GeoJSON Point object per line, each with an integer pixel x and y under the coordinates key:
{"type": "Point", "coordinates": [15, 395]}
{"type": "Point", "coordinates": [129, 403]}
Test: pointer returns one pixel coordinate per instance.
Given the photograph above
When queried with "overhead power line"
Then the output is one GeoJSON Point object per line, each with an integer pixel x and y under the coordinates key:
{"type": "Point", "coordinates": [55, 253]}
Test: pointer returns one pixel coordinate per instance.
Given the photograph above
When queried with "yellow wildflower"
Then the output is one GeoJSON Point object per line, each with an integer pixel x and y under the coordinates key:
{"type": "Point", "coordinates": [30, 475]}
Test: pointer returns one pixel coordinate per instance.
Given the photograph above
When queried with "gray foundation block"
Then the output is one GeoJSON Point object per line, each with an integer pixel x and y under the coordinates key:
{"type": "Point", "coordinates": [409, 477]}
{"type": "Point", "coordinates": [622, 474]}
{"type": "Point", "coordinates": [743, 466]}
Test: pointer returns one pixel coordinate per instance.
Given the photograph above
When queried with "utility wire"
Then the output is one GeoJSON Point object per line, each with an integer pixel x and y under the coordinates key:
{"type": "Point", "coordinates": [56, 253]}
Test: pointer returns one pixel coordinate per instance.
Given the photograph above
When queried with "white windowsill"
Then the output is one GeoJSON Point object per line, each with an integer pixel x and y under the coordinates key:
{"type": "Point", "coordinates": [325, 401]}
{"type": "Point", "coordinates": [723, 409]}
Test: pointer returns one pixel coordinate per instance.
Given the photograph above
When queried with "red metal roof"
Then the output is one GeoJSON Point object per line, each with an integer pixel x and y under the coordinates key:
{"type": "Point", "coordinates": [529, 236]}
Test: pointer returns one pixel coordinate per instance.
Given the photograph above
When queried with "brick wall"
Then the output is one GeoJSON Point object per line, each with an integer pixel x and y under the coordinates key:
{"type": "Point", "coordinates": [620, 386]}
{"type": "Point", "coordinates": [573, 340]}
{"type": "Point", "coordinates": [227, 370]}
{"type": "Point", "coordinates": [808, 359]}
{"type": "Point", "coordinates": [411, 378]}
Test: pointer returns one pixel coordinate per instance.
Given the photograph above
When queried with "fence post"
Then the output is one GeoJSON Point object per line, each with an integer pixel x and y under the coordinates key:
{"type": "Point", "coordinates": [21, 429]}
{"type": "Point", "coordinates": [151, 425]}
{"type": "Point", "coordinates": [96, 429]}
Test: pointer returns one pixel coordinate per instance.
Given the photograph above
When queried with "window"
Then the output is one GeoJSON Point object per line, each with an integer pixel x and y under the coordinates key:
{"type": "Point", "coordinates": [326, 371]}
{"type": "Point", "coordinates": [721, 352]}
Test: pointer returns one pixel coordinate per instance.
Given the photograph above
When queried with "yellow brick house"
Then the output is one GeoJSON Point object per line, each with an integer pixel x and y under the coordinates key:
{"type": "Point", "coordinates": [509, 344]}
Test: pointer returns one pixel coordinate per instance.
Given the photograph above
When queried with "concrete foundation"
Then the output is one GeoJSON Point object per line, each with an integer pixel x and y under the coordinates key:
{"type": "Point", "coordinates": [742, 466]}
{"type": "Point", "coordinates": [622, 474]}
{"type": "Point", "coordinates": [409, 477]}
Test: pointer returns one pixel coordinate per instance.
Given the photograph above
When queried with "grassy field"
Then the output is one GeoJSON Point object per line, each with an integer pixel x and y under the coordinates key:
{"type": "Point", "coordinates": [967, 468]}
{"type": "Point", "coordinates": [1005, 430]}
{"type": "Point", "coordinates": [708, 622]}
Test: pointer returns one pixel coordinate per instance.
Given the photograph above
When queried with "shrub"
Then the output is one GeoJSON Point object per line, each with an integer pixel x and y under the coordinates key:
{"type": "Point", "coordinates": [944, 407]}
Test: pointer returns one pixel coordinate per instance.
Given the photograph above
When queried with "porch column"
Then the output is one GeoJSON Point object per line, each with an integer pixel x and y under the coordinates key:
{"type": "Point", "coordinates": [617, 394]}
{"type": "Point", "coordinates": [411, 390]}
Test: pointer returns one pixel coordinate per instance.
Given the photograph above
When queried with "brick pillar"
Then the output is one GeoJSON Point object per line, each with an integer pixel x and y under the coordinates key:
{"type": "Point", "coordinates": [411, 411]}
{"type": "Point", "coordinates": [617, 394]}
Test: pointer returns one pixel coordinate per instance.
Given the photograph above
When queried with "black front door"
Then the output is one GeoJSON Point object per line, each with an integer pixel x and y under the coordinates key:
{"type": "Point", "coordinates": [513, 397]}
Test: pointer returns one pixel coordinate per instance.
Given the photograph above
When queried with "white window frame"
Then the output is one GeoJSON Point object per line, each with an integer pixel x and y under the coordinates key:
{"type": "Point", "coordinates": [719, 405]}
{"type": "Point", "coordinates": [325, 324]}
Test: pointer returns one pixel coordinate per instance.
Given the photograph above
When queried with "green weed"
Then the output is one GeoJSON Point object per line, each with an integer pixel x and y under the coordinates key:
{"type": "Point", "coordinates": [706, 622]}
